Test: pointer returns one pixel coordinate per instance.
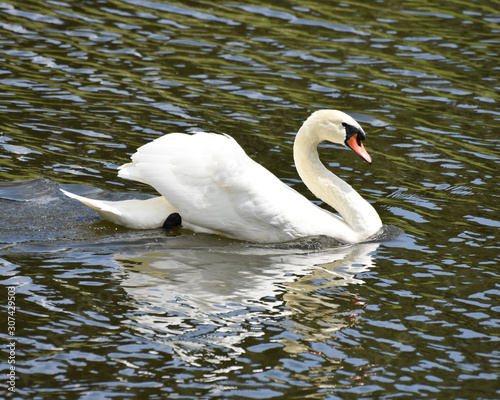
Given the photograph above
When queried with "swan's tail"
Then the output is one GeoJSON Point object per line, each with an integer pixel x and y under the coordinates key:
{"type": "Point", "coordinates": [135, 214]}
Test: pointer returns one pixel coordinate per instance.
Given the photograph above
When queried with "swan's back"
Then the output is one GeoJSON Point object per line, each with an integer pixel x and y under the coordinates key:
{"type": "Point", "coordinates": [216, 187]}
{"type": "Point", "coordinates": [180, 153]}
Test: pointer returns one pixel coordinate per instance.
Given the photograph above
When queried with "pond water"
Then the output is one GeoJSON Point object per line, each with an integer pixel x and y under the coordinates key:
{"type": "Point", "coordinates": [103, 312]}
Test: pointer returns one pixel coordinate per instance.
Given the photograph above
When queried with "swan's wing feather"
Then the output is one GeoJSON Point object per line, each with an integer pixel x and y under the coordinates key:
{"type": "Point", "coordinates": [135, 214]}
{"type": "Point", "coordinates": [213, 184]}
{"type": "Point", "coordinates": [101, 206]}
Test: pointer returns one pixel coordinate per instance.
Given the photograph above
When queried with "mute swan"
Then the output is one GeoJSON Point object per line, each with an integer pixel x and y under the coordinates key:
{"type": "Point", "coordinates": [209, 183]}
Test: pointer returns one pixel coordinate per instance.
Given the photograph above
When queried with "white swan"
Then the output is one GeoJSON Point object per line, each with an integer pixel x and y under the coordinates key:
{"type": "Point", "coordinates": [209, 182]}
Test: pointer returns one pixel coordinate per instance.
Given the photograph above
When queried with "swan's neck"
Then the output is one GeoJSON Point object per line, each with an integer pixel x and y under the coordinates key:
{"type": "Point", "coordinates": [356, 212]}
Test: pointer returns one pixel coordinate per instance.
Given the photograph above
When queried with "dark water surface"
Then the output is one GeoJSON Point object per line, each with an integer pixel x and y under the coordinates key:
{"type": "Point", "coordinates": [103, 312]}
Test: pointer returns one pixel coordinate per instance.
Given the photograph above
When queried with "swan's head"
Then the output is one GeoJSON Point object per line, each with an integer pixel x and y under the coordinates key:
{"type": "Point", "coordinates": [338, 127]}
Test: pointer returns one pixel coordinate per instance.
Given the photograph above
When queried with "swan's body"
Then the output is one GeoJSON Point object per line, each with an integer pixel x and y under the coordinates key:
{"type": "Point", "coordinates": [216, 188]}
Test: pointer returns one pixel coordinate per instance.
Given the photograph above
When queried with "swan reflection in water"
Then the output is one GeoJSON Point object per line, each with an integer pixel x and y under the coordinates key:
{"type": "Point", "coordinates": [197, 300]}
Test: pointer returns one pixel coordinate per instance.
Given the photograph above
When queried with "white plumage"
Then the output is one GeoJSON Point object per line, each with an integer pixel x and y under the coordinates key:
{"type": "Point", "coordinates": [216, 188]}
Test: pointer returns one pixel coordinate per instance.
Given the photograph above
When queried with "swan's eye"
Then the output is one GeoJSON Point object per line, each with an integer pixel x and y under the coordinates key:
{"type": "Point", "coordinates": [351, 131]}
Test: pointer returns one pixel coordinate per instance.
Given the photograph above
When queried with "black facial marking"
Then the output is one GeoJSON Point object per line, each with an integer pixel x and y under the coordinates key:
{"type": "Point", "coordinates": [172, 221]}
{"type": "Point", "coordinates": [351, 130]}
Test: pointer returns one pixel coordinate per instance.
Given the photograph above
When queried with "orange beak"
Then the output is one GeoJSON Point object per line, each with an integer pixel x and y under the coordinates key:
{"type": "Point", "coordinates": [359, 149]}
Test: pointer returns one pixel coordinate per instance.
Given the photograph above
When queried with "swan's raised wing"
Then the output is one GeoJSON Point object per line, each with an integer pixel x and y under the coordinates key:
{"type": "Point", "coordinates": [215, 186]}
